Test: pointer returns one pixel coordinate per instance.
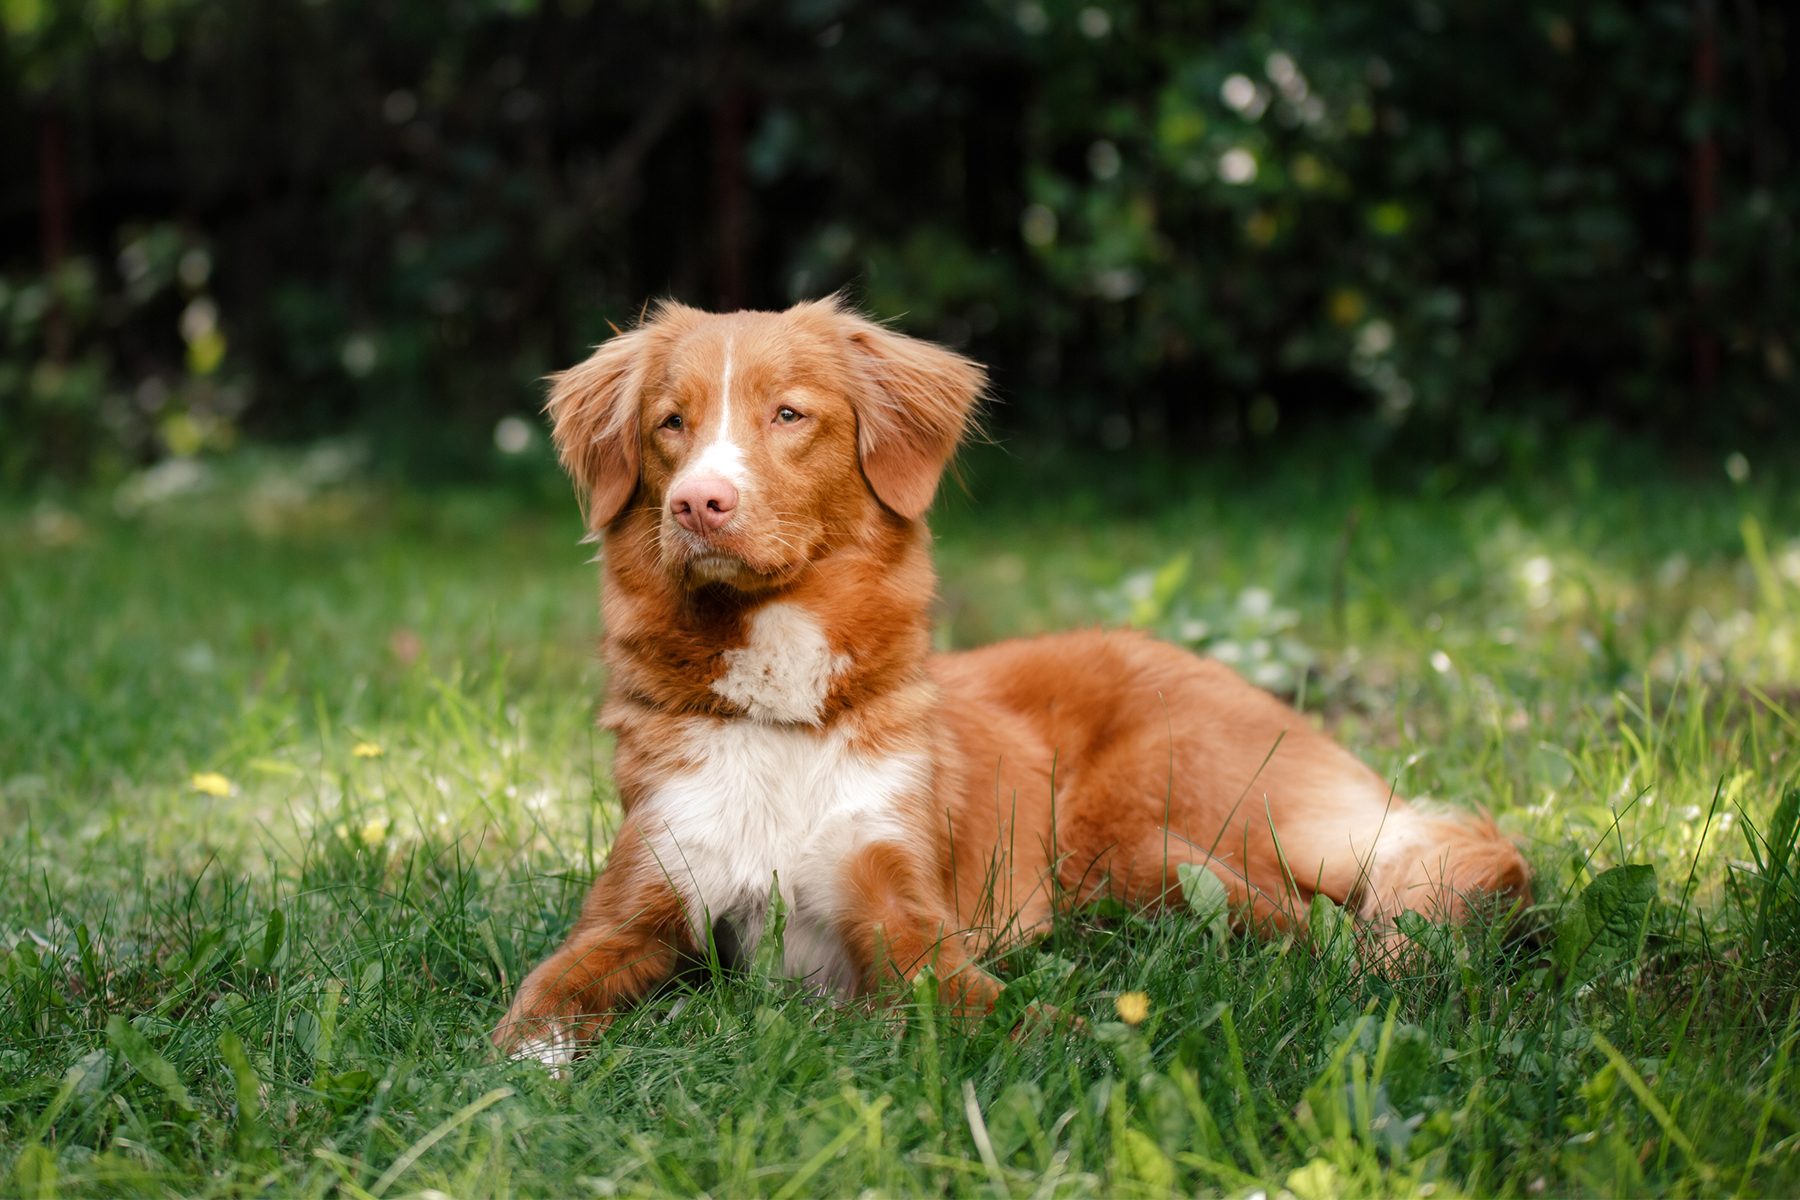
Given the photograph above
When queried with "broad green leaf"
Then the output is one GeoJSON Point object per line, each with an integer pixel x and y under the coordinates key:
{"type": "Point", "coordinates": [1139, 1158]}
{"type": "Point", "coordinates": [262, 957]}
{"type": "Point", "coordinates": [1606, 923]}
{"type": "Point", "coordinates": [138, 1051]}
{"type": "Point", "coordinates": [1015, 1118]}
{"type": "Point", "coordinates": [1330, 928]}
{"type": "Point", "coordinates": [251, 1135]}
{"type": "Point", "coordinates": [34, 1174]}
{"type": "Point", "coordinates": [1317, 1180]}
{"type": "Point", "coordinates": [247, 1086]}
{"type": "Point", "coordinates": [346, 1089]}
{"type": "Point", "coordinates": [1205, 895]}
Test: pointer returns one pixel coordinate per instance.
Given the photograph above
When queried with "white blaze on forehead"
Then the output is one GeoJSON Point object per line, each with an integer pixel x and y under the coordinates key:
{"type": "Point", "coordinates": [721, 455]}
{"type": "Point", "coordinates": [783, 672]}
{"type": "Point", "coordinates": [725, 391]}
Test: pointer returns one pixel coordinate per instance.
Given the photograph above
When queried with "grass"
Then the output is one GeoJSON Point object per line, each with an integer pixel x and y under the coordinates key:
{"type": "Point", "coordinates": [298, 775]}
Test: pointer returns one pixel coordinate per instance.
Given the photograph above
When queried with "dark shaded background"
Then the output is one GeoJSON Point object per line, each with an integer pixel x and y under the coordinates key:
{"type": "Point", "coordinates": [1453, 228]}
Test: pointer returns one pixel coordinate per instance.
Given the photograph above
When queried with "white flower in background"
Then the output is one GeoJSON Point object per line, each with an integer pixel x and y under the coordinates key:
{"type": "Point", "coordinates": [199, 319]}
{"type": "Point", "coordinates": [1237, 165]}
{"type": "Point", "coordinates": [512, 435]}
{"type": "Point", "coordinates": [1375, 339]}
{"type": "Point", "coordinates": [1238, 94]}
{"type": "Point", "coordinates": [359, 354]}
{"type": "Point", "coordinates": [1037, 225]}
{"type": "Point", "coordinates": [1536, 573]}
{"type": "Point", "coordinates": [1789, 562]}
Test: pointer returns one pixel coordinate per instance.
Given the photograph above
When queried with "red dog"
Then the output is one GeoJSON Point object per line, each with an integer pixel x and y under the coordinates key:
{"type": "Point", "coordinates": [760, 478]}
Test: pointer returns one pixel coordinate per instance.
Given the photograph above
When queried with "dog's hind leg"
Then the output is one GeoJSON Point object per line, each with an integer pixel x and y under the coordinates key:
{"type": "Point", "coordinates": [1318, 823]}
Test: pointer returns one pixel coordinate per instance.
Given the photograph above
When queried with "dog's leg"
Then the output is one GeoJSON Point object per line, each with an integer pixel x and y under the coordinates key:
{"type": "Point", "coordinates": [895, 924]}
{"type": "Point", "coordinates": [627, 940]}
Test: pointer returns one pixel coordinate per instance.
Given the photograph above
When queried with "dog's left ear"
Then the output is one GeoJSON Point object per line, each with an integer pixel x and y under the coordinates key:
{"type": "Point", "coordinates": [912, 408]}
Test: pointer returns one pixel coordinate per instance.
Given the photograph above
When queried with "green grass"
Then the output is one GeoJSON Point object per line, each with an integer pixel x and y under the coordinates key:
{"type": "Point", "coordinates": [285, 989]}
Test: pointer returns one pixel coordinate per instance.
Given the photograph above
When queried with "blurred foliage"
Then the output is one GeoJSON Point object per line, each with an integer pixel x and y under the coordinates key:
{"type": "Point", "coordinates": [1448, 227]}
{"type": "Point", "coordinates": [1250, 632]}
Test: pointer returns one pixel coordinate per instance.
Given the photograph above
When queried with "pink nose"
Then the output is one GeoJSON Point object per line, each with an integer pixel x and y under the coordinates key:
{"type": "Point", "coordinates": [703, 504]}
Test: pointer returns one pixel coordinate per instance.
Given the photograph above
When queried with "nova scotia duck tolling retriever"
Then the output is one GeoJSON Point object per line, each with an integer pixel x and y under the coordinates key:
{"type": "Point", "coordinates": [759, 481]}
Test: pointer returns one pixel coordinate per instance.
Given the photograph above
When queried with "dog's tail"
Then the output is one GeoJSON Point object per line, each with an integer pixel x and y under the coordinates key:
{"type": "Point", "coordinates": [1441, 864]}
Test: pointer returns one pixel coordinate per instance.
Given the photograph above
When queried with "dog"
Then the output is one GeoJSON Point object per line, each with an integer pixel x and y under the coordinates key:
{"type": "Point", "coordinates": [759, 481]}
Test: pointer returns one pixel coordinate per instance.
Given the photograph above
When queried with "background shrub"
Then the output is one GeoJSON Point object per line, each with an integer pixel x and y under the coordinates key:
{"type": "Point", "coordinates": [1460, 225]}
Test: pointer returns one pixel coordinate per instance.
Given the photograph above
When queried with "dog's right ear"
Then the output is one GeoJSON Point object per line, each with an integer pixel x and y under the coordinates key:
{"type": "Point", "coordinates": [593, 409]}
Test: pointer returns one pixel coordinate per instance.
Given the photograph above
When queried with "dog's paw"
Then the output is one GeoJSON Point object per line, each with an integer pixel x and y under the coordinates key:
{"type": "Point", "coordinates": [554, 1050]}
{"type": "Point", "coordinates": [550, 1041]}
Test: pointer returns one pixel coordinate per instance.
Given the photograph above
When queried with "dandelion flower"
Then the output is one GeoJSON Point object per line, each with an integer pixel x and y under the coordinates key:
{"type": "Point", "coordinates": [366, 750]}
{"type": "Point", "coordinates": [211, 783]}
{"type": "Point", "coordinates": [374, 831]}
{"type": "Point", "coordinates": [1133, 1007]}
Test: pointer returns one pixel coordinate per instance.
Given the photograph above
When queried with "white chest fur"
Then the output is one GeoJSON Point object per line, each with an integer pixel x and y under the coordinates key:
{"type": "Point", "coordinates": [784, 669]}
{"type": "Point", "coordinates": [776, 801]}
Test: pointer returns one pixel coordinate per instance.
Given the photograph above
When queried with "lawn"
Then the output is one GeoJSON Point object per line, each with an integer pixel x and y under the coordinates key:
{"type": "Point", "coordinates": [298, 774]}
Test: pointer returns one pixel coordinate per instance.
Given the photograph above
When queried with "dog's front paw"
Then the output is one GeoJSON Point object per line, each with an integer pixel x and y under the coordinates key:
{"type": "Point", "coordinates": [550, 1043]}
{"type": "Point", "coordinates": [537, 1029]}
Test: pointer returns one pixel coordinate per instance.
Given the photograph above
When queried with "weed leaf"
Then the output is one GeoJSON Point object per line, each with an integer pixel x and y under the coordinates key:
{"type": "Point", "coordinates": [272, 934]}
{"type": "Point", "coordinates": [251, 1134]}
{"type": "Point", "coordinates": [34, 1174]}
{"type": "Point", "coordinates": [1139, 1158]}
{"type": "Point", "coordinates": [138, 1051]}
{"type": "Point", "coordinates": [1606, 924]}
{"type": "Point", "coordinates": [1204, 893]}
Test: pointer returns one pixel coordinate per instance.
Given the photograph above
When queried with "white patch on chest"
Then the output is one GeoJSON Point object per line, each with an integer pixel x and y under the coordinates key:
{"type": "Point", "coordinates": [775, 801]}
{"type": "Point", "coordinates": [783, 672]}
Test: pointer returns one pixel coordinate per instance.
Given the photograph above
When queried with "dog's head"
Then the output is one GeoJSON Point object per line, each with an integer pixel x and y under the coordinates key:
{"type": "Point", "coordinates": [758, 442]}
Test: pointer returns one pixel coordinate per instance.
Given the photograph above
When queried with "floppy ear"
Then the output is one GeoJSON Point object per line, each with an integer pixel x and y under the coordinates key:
{"type": "Point", "coordinates": [593, 409]}
{"type": "Point", "coordinates": [911, 410]}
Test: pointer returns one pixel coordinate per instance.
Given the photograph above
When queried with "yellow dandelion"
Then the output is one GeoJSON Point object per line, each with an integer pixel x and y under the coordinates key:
{"type": "Point", "coordinates": [211, 783]}
{"type": "Point", "coordinates": [366, 750]}
{"type": "Point", "coordinates": [1133, 1007]}
{"type": "Point", "coordinates": [374, 831]}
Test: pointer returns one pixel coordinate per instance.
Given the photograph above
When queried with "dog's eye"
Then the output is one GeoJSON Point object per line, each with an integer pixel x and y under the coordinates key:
{"type": "Point", "coordinates": [786, 415]}
{"type": "Point", "coordinates": [672, 421]}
